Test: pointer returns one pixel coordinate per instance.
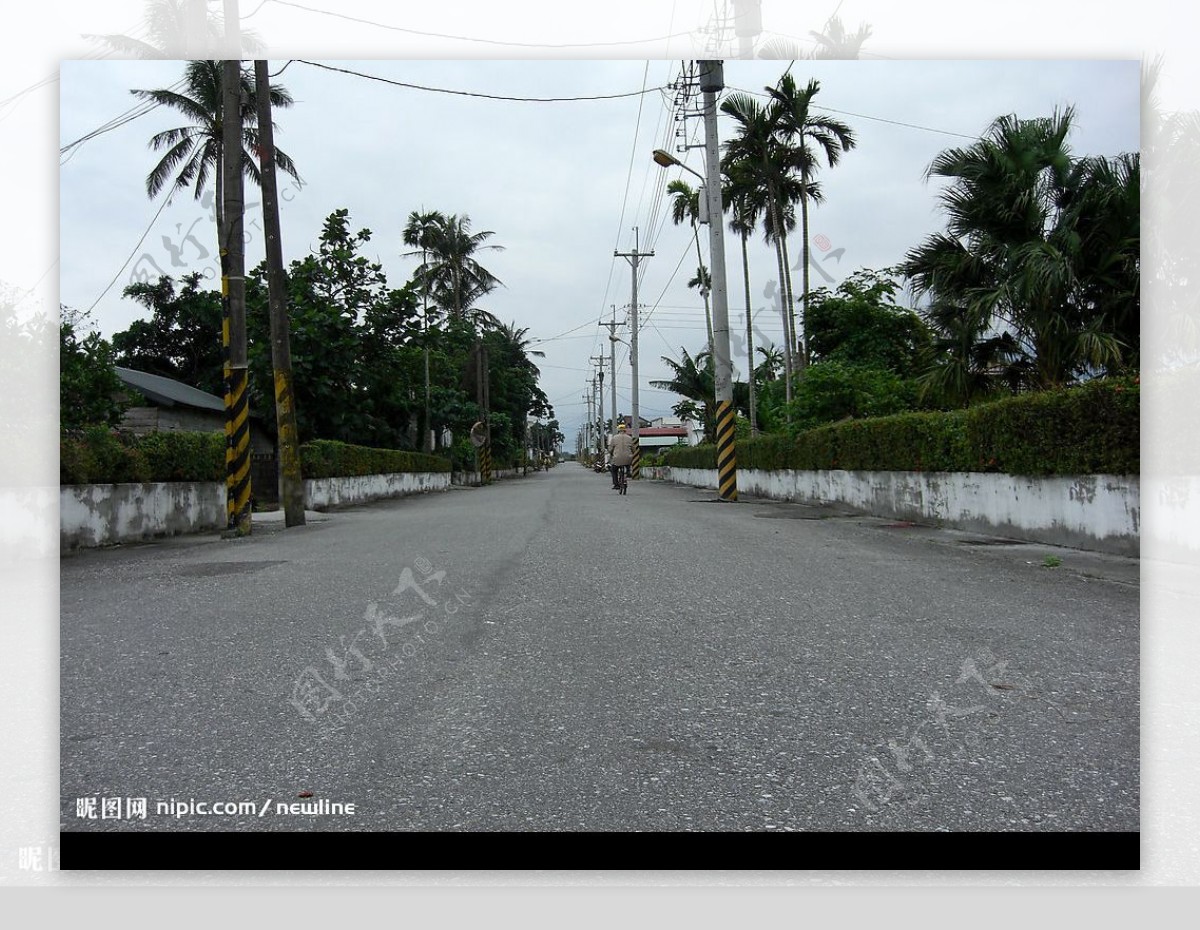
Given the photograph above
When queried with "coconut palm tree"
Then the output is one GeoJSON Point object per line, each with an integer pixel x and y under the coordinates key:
{"type": "Point", "coordinates": [685, 207]}
{"type": "Point", "coordinates": [178, 29]}
{"type": "Point", "coordinates": [455, 277]}
{"type": "Point", "coordinates": [806, 136]}
{"type": "Point", "coordinates": [194, 152]}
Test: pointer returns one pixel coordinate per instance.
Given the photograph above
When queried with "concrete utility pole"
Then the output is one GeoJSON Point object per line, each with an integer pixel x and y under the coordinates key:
{"type": "Point", "coordinates": [747, 20]}
{"type": "Point", "coordinates": [712, 81]}
{"type": "Point", "coordinates": [291, 483]}
{"type": "Point", "coordinates": [612, 363]}
{"type": "Point", "coordinates": [603, 438]}
{"type": "Point", "coordinates": [233, 289]}
{"type": "Point", "coordinates": [633, 258]}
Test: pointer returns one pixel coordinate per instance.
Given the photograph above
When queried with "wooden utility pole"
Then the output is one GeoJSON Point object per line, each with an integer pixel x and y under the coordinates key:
{"type": "Point", "coordinates": [233, 289]}
{"type": "Point", "coordinates": [291, 483]}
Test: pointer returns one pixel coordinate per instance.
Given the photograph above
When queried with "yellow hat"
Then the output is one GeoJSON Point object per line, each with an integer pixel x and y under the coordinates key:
{"type": "Point", "coordinates": [620, 426]}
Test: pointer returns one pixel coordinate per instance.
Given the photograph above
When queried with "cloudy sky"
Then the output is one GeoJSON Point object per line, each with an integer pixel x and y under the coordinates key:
{"type": "Point", "coordinates": [561, 184]}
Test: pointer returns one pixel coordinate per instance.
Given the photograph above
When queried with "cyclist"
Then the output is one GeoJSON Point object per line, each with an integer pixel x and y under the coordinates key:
{"type": "Point", "coordinates": [620, 450]}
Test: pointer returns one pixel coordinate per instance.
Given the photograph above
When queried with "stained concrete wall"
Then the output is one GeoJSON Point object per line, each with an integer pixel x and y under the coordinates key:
{"type": "Point", "coordinates": [103, 514]}
{"type": "Point", "coordinates": [323, 493]}
{"type": "Point", "coordinates": [1097, 512]}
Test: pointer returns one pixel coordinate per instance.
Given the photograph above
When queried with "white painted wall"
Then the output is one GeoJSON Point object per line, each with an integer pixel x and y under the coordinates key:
{"type": "Point", "coordinates": [323, 493]}
{"type": "Point", "coordinates": [1100, 512]}
{"type": "Point", "coordinates": [103, 514]}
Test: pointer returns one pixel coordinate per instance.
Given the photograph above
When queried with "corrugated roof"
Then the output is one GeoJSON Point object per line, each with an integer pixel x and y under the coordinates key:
{"type": "Point", "coordinates": [166, 392]}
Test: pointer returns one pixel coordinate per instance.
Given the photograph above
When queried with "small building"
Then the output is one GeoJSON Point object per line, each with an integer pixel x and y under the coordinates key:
{"type": "Point", "coordinates": [172, 405]}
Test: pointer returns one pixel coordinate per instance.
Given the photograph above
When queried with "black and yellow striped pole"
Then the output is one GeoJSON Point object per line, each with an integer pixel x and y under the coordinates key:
{"type": "Point", "coordinates": [635, 468]}
{"type": "Point", "coordinates": [726, 452]}
{"type": "Point", "coordinates": [485, 464]}
{"type": "Point", "coordinates": [233, 291]}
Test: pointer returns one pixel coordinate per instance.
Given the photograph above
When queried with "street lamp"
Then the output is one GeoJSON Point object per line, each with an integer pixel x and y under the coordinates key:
{"type": "Point", "coordinates": [667, 160]}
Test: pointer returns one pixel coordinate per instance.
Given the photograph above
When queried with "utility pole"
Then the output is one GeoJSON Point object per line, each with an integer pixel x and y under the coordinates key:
{"type": "Point", "coordinates": [587, 426]}
{"type": "Point", "coordinates": [633, 258]}
{"type": "Point", "coordinates": [603, 438]}
{"type": "Point", "coordinates": [747, 19]}
{"type": "Point", "coordinates": [712, 81]}
{"type": "Point", "coordinates": [233, 28]}
{"type": "Point", "coordinates": [291, 483]}
{"type": "Point", "coordinates": [612, 363]}
{"type": "Point", "coordinates": [233, 289]}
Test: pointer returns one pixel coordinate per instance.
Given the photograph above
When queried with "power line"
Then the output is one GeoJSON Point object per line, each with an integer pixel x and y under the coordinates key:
{"type": "Point", "coordinates": [131, 254]}
{"type": "Point", "coordinates": [458, 38]}
{"type": "Point", "coordinates": [878, 119]}
{"type": "Point", "coordinates": [468, 93]}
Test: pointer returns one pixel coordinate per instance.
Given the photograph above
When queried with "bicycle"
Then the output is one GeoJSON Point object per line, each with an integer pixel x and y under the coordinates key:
{"type": "Point", "coordinates": [623, 479]}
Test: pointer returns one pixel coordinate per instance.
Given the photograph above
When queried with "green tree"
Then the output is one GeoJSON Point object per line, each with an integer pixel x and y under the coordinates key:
{"type": "Point", "coordinates": [182, 338]}
{"type": "Point", "coordinates": [860, 323]}
{"type": "Point", "coordinates": [89, 391]}
{"type": "Point", "coordinates": [1039, 246]}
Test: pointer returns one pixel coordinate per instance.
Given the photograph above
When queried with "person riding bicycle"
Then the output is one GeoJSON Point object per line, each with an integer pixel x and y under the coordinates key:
{"type": "Point", "coordinates": [620, 448]}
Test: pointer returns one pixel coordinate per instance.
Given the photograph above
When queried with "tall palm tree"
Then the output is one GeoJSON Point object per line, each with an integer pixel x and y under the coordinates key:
{"type": "Point", "coordinates": [419, 232]}
{"type": "Point", "coordinates": [194, 152]}
{"type": "Point", "coordinates": [753, 155]}
{"type": "Point", "coordinates": [806, 136]}
{"type": "Point", "coordinates": [739, 195]}
{"type": "Point", "coordinates": [456, 278]}
{"type": "Point", "coordinates": [685, 207]}
{"type": "Point", "coordinates": [177, 29]}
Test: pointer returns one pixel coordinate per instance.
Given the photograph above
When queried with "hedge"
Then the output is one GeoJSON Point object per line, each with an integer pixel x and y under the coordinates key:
{"type": "Point", "coordinates": [326, 458]}
{"type": "Point", "coordinates": [1089, 429]}
{"type": "Point", "coordinates": [99, 455]}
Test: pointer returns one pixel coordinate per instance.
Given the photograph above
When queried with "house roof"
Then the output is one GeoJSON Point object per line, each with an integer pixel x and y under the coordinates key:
{"type": "Point", "coordinates": [662, 431]}
{"type": "Point", "coordinates": [164, 392]}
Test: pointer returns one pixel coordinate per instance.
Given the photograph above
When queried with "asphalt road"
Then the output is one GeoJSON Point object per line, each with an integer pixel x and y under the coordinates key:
{"type": "Point", "coordinates": [570, 659]}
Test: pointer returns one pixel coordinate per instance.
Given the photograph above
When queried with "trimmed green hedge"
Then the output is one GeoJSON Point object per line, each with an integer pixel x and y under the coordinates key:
{"type": "Point", "coordinates": [99, 455]}
{"type": "Point", "coordinates": [325, 458]}
{"type": "Point", "coordinates": [1089, 429]}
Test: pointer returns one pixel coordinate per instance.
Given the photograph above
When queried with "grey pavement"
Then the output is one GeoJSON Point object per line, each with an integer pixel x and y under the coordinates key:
{"type": "Point", "coordinates": [570, 659]}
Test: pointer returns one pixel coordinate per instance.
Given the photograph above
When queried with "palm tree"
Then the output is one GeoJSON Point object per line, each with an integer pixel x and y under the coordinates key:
{"type": "Point", "coordinates": [454, 276]}
{"type": "Point", "coordinates": [419, 232]}
{"type": "Point", "coordinates": [177, 29]}
{"type": "Point", "coordinates": [740, 195]}
{"type": "Point", "coordinates": [806, 136]}
{"type": "Point", "coordinates": [753, 156]}
{"type": "Point", "coordinates": [832, 44]}
{"type": "Point", "coordinates": [194, 152]}
{"type": "Point", "coordinates": [686, 207]}
{"type": "Point", "coordinates": [694, 379]}
{"type": "Point", "coordinates": [1038, 245]}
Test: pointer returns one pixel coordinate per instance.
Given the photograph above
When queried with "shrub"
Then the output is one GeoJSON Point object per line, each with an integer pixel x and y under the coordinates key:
{"type": "Point", "coordinates": [185, 456]}
{"type": "Point", "coordinates": [327, 458]}
{"type": "Point", "coordinates": [100, 455]}
{"type": "Point", "coordinates": [1089, 429]}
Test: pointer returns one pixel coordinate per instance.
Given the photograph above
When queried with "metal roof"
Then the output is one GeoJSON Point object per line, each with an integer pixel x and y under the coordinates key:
{"type": "Point", "coordinates": [165, 392]}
